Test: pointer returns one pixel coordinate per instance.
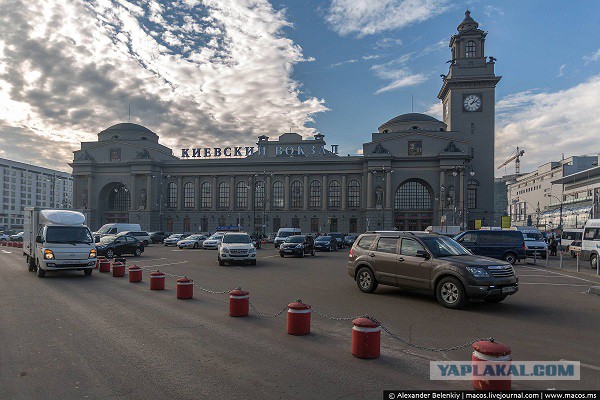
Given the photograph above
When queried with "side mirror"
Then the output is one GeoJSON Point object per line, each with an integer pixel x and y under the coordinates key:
{"type": "Point", "coordinates": [422, 254]}
{"type": "Point", "coordinates": [39, 239]}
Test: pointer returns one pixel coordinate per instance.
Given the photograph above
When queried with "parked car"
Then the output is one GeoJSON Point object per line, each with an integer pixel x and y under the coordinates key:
{"type": "Point", "coordinates": [325, 243]}
{"type": "Point", "coordinates": [173, 239]}
{"type": "Point", "coordinates": [507, 245]}
{"type": "Point", "coordinates": [115, 228]}
{"type": "Point", "coordinates": [213, 242]}
{"type": "Point", "coordinates": [4, 237]}
{"type": "Point", "coordinates": [192, 242]}
{"type": "Point", "coordinates": [236, 247]}
{"type": "Point", "coordinates": [349, 240]}
{"type": "Point", "coordinates": [575, 248]}
{"type": "Point", "coordinates": [284, 233]}
{"type": "Point", "coordinates": [298, 245]}
{"type": "Point", "coordinates": [535, 245]}
{"type": "Point", "coordinates": [339, 237]}
{"type": "Point", "coordinates": [568, 236]}
{"type": "Point", "coordinates": [16, 238]}
{"type": "Point", "coordinates": [115, 246]}
{"type": "Point", "coordinates": [431, 263]}
{"type": "Point", "coordinates": [158, 237]}
{"type": "Point", "coordinates": [142, 236]}
{"type": "Point", "coordinates": [590, 243]}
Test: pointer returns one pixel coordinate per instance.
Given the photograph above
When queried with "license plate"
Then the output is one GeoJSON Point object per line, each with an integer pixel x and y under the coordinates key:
{"type": "Point", "coordinates": [71, 262]}
{"type": "Point", "coordinates": [509, 289]}
{"type": "Point", "coordinates": [287, 251]}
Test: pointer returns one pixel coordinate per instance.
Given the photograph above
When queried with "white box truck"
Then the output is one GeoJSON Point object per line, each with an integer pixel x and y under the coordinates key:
{"type": "Point", "coordinates": [57, 240]}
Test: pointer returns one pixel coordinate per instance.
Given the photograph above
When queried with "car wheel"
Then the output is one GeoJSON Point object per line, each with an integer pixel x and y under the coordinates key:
{"type": "Point", "coordinates": [138, 252]}
{"type": "Point", "coordinates": [495, 299]}
{"type": "Point", "coordinates": [365, 279]}
{"type": "Point", "coordinates": [221, 262]}
{"type": "Point", "coordinates": [30, 264]}
{"type": "Point", "coordinates": [451, 293]}
{"type": "Point", "coordinates": [110, 253]}
{"type": "Point", "coordinates": [510, 258]}
{"type": "Point", "coordinates": [302, 254]}
{"type": "Point", "coordinates": [146, 243]}
{"type": "Point", "coordinates": [88, 271]}
{"type": "Point", "coordinates": [281, 255]}
{"type": "Point", "coordinates": [594, 261]}
{"type": "Point", "coordinates": [40, 272]}
{"type": "Point", "coordinates": [195, 245]}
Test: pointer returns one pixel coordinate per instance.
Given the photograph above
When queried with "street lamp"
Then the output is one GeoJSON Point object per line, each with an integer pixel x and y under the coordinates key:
{"type": "Point", "coordinates": [455, 171]}
{"type": "Point", "coordinates": [560, 220]}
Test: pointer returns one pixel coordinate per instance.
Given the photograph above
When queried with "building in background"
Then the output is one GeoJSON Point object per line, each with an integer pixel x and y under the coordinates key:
{"type": "Point", "coordinates": [26, 185]}
{"type": "Point", "coordinates": [537, 197]}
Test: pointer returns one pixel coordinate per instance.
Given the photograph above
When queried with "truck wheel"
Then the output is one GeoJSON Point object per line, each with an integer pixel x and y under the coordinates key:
{"type": "Point", "coordinates": [40, 272]}
{"type": "Point", "coordinates": [88, 271]}
{"type": "Point", "coordinates": [365, 279]}
{"type": "Point", "coordinates": [594, 261]}
{"type": "Point", "coordinates": [510, 258]}
{"type": "Point", "coordinates": [451, 293]}
{"type": "Point", "coordinates": [30, 264]}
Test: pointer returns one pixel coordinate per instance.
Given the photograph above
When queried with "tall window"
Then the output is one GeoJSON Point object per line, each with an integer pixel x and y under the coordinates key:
{"type": "Point", "coordinates": [188, 195]}
{"type": "Point", "coordinates": [333, 224]}
{"type": "Point", "coordinates": [316, 194]}
{"type": "Point", "coordinates": [242, 195]}
{"type": "Point", "coordinates": [119, 199]}
{"type": "Point", "coordinates": [296, 194]}
{"type": "Point", "coordinates": [471, 198]}
{"type": "Point", "coordinates": [259, 195]}
{"type": "Point", "coordinates": [278, 194]}
{"type": "Point", "coordinates": [172, 190]}
{"type": "Point", "coordinates": [353, 193]}
{"type": "Point", "coordinates": [206, 195]}
{"type": "Point", "coordinates": [412, 196]}
{"type": "Point", "coordinates": [224, 194]}
{"type": "Point", "coordinates": [470, 49]}
{"type": "Point", "coordinates": [335, 194]}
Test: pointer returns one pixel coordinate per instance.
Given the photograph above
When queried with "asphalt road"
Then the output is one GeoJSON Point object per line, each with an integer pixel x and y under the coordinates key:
{"type": "Point", "coordinates": [69, 336]}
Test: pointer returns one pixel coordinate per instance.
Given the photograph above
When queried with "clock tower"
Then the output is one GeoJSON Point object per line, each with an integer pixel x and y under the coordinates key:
{"type": "Point", "coordinates": [468, 98]}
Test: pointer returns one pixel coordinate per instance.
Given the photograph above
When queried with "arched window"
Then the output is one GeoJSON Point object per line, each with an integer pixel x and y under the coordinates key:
{"type": "Point", "coordinates": [224, 194]}
{"type": "Point", "coordinates": [188, 195]}
{"type": "Point", "coordinates": [316, 194]}
{"type": "Point", "coordinates": [470, 49]}
{"type": "Point", "coordinates": [242, 195]}
{"type": "Point", "coordinates": [353, 193]}
{"type": "Point", "coordinates": [172, 195]}
{"type": "Point", "coordinates": [412, 196]}
{"type": "Point", "coordinates": [259, 195]}
{"type": "Point", "coordinates": [206, 195]}
{"type": "Point", "coordinates": [119, 199]}
{"type": "Point", "coordinates": [297, 194]}
{"type": "Point", "coordinates": [335, 194]}
{"type": "Point", "coordinates": [278, 194]}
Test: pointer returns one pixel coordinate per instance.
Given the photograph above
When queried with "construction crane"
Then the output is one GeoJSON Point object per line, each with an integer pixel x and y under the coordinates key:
{"type": "Point", "coordinates": [517, 157]}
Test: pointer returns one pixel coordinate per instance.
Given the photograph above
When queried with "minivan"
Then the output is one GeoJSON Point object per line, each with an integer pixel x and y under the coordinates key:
{"type": "Point", "coordinates": [284, 233]}
{"type": "Point", "coordinates": [569, 236]}
{"type": "Point", "coordinates": [535, 245]}
{"type": "Point", "coordinates": [507, 245]}
{"type": "Point", "coordinates": [431, 263]}
{"type": "Point", "coordinates": [590, 243]}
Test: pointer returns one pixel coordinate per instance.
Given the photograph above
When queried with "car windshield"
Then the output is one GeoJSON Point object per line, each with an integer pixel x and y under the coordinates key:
{"type": "Point", "coordinates": [295, 239]}
{"type": "Point", "coordinates": [442, 246]}
{"type": "Point", "coordinates": [68, 234]}
{"type": "Point", "coordinates": [178, 236]}
{"type": "Point", "coordinates": [194, 237]}
{"type": "Point", "coordinates": [285, 234]}
{"type": "Point", "coordinates": [107, 239]}
{"type": "Point", "coordinates": [216, 237]}
{"type": "Point", "coordinates": [323, 239]}
{"type": "Point", "coordinates": [532, 236]}
{"type": "Point", "coordinates": [236, 239]}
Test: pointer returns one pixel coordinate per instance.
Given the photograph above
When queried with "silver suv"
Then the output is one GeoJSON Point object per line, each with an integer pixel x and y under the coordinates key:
{"type": "Point", "coordinates": [432, 263]}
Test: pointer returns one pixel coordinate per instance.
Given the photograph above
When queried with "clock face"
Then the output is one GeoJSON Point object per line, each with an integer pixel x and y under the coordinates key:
{"type": "Point", "coordinates": [472, 102]}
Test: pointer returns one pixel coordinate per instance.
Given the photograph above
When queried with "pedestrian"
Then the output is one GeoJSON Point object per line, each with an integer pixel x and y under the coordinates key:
{"type": "Point", "coordinates": [553, 245]}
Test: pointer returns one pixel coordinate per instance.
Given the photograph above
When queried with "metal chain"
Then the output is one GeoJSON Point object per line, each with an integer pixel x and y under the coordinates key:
{"type": "Point", "coordinates": [267, 315]}
{"type": "Point", "coordinates": [211, 291]}
{"type": "Point", "coordinates": [334, 318]}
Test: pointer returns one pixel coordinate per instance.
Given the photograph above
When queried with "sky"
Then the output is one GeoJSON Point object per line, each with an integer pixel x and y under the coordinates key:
{"type": "Point", "coordinates": [211, 72]}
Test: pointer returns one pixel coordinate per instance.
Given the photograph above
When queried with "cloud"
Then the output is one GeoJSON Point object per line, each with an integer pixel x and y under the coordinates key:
{"type": "Point", "coordinates": [595, 56]}
{"type": "Point", "coordinates": [388, 42]}
{"type": "Point", "coordinates": [436, 110]}
{"type": "Point", "coordinates": [339, 64]}
{"type": "Point", "coordinates": [194, 72]}
{"type": "Point", "coordinates": [367, 17]}
{"type": "Point", "coordinates": [561, 70]}
{"type": "Point", "coordinates": [398, 73]}
{"type": "Point", "coordinates": [492, 11]}
{"type": "Point", "coordinates": [547, 124]}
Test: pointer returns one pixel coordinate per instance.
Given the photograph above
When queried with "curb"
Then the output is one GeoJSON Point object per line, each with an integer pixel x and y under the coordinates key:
{"type": "Point", "coordinates": [594, 290]}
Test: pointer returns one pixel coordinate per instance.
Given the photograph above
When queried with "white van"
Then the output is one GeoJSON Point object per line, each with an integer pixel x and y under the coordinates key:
{"type": "Point", "coordinates": [284, 233]}
{"type": "Point", "coordinates": [447, 230]}
{"type": "Point", "coordinates": [569, 236]}
{"type": "Point", "coordinates": [590, 243]}
{"type": "Point", "coordinates": [534, 242]}
{"type": "Point", "coordinates": [114, 228]}
{"type": "Point", "coordinates": [57, 240]}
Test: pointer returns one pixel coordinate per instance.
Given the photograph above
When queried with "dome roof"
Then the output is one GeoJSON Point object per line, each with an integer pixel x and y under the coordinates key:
{"type": "Point", "coordinates": [469, 22]}
{"type": "Point", "coordinates": [410, 120]}
{"type": "Point", "coordinates": [127, 131]}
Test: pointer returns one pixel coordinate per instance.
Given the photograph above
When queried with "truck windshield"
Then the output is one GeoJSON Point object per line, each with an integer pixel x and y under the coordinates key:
{"type": "Point", "coordinates": [68, 234]}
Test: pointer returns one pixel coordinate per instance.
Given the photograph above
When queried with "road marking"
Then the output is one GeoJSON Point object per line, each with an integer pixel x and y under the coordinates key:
{"type": "Point", "coordinates": [558, 273]}
{"type": "Point", "coordinates": [6, 252]}
{"type": "Point", "coordinates": [269, 256]}
{"type": "Point", "coordinates": [551, 284]}
{"type": "Point", "coordinates": [584, 365]}
{"type": "Point", "coordinates": [543, 276]}
{"type": "Point", "coordinates": [164, 265]}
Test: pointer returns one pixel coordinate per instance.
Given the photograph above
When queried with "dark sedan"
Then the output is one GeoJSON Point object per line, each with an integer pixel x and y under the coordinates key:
{"type": "Point", "coordinates": [115, 246]}
{"type": "Point", "coordinates": [325, 243]}
{"type": "Point", "coordinates": [349, 240]}
{"type": "Point", "coordinates": [297, 245]}
{"type": "Point", "coordinates": [158, 237]}
{"type": "Point", "coordinates": [340, 239]}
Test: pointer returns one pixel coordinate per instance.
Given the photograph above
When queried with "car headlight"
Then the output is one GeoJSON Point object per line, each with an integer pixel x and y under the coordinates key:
{"type": "Point", "coordinates": [478, 272]}
{"type": "Point", "coordinates": [252, 250]}
{"type": "Point", "coordinates": [92, 253]}
{"type": "Point", "coordinates": [48, 255]}
{"type": "Point", "coordinates": [298, 246]}
{"type": "Point", "coordinates": [224, 250]}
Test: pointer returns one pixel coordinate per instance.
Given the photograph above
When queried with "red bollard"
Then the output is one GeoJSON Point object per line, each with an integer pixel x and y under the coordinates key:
{"type": "Point", "coordinates": [298, 318]}
{"type": "Point", "coordinates": [20, 245]}
{"type": "Point", "coordinates": [2, 242]}
{"type": "Point", "coordinates": [157, 281]}
{"type": "Point", "coordinates": [10, 244]}
{"type": "Point", "coordinates": [239, 305]}
{"type": "Point", "coordinates": [490, 352]}
{"type": "Point", "coordinates": [104, 265]}
{"type": "Point", "coordinates": [135, 274]}
{"type": "Point", "coordinates": [118, 270]}
{"type": "Point", "coordinates": [185, 288]}
{"type": "Point", "coordinates": [366, 338]}
{"type": "Point", "coordinates": [99, 261]}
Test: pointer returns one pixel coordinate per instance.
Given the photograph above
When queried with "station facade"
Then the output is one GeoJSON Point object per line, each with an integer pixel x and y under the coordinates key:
{"type": "Point", "coordinates": [415, 171]}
